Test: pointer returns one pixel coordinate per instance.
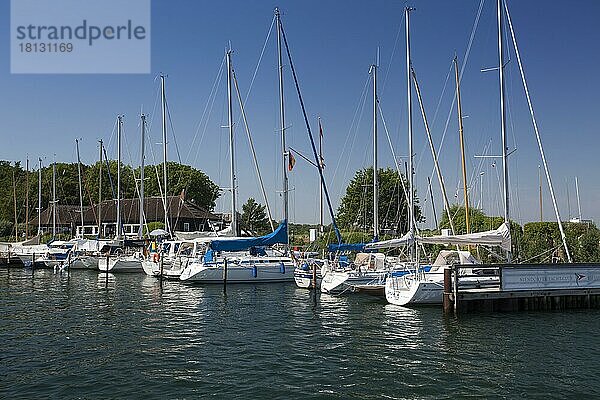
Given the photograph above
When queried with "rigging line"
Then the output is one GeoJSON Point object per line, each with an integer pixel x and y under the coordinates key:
{"type": "Point", "coordinates": [312, 141]}
{"type": "Point", "coordinates": [387, 133]}
{"type": "Point", "coordinates": [254, 158]}
{"type": "Point", "coordinates": [259, 61]}
{"type": "Point", "coordinates": [359, 106]}
{"type": "Point", "coordinates": [389, 66]}
{"type": "Point", "coordinates": [462, 70]}
{"type": "Point", "coordinates": [173, 131]}
{"type": "Point", "coordinates": [437, 108]}
{"type": "Point", "coordinates": [206, 109]}
{"type": "Point", "coordinates": [537, 134]}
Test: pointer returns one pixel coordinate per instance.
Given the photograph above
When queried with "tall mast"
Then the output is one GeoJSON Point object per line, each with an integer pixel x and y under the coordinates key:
{"type": "Point", "coordinates": [411, 205]}
{"type": "Point", "coordinates": [54, 198]}
{"type": "Point", "coordinates": [100, 193]}
{"type": "Point", "coordinates": [119, 128]}
{"type": "Point", "coordinates": [284, 152]}
{"type": "Point", "coordinates": [80, 185]}
{"type": "Point", "coordinates": [462, 146]}
{"type": "Point", "coordinates": [503, 122]}
{"type": "Point", "coordinates": [578, 202]}
{"type": "Point", "coordinates": [164, 135]}
{"type": "Point", "coordinates": [234, 224]}
{"type": "Point", "coordinates": [39, 232]}
{"type": "Point", "coordinates": [27, 198]}
{"type": "Point", "coordinates": [373, 72]}
{"type": "Point", "coordinates": [15, 203]}
{"type": "Point", "coordinates": [322, 163]}
{"type": "Point", "coordinates": [540, 186]}
{"type": "Point", "coordinates": [142, 165]}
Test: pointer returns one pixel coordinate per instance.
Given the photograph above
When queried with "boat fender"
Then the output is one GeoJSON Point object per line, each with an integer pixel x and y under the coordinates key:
{"type": "Point", "coordinates": [305, 267]}
{"type": "Point", "coordinates": [282, 268]}
{"type": "Point", "coordinates": [155, 257]}
{"type": "Point", "coordinates": [254, 271]}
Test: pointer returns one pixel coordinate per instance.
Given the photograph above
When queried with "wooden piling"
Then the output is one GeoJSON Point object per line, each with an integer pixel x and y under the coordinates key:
{"type": "Point", "coordinates": [161, 262]}
{"type": "Point", "coordinates": [107, 262]}
{"type": "Point", "coordinates": [225, 276]}
{"type": "Point", "coordinates": [448, 301]}
{"type": "Point", "coordinates": [314, 276]}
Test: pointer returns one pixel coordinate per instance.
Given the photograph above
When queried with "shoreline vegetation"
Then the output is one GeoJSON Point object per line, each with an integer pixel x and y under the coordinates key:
{"type": "Point", "coordinates": [535, 242]}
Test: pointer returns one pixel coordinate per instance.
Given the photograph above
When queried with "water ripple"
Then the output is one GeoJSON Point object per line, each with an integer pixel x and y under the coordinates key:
{"type": "Point", "coordinates": [90, 335]}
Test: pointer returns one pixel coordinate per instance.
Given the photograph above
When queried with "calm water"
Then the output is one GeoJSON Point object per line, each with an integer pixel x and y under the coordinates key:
{"type": "Point", "coordinates": [75, 337]}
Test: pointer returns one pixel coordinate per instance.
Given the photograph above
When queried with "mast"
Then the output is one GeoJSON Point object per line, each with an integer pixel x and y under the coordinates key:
{"type": "Point", "coordinates": [284, 152]}
{"type": "Point", "coordinates": [373, 71]}
{"type": "Point", "coordinates": [142, 165]}
{"type": "Point", "coordinates": [234, 224]}
{"type": "Point", "coordinates": [462, 146]}
{"type": "Point", "coordinates": [540, 185]}
{"type": "Point", "coordinates": [27, 198]}
{"type": "Point", "coordinates": [39, 232]}
{"type": "Point", "coordinates": [164, 135]}
{"type": "Point", "coordinates": [411, 204]}
{"type": "Point", "coordinates": [100, 193]}
{"type": "Point", "coordinates": [503, 122]}
{"type": "Point", "coordinates": [15, 203]}
{"type": "Point", "coordinates": [80, 185]}
{"type": "Point", "coordinates": [119, 129]}
{"type": "Point", "coordinates": [54, 198]}
{"type": "Point", "coordinates": [578, 202]}
{"type": "Point", "coordinates": [322, 163]}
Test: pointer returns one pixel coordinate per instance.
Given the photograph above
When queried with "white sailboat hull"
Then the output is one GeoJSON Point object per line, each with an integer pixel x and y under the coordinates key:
{"type": "Point", "coordinates": [244, 272]}
{"type": "Point", "coordinates": [338, 282]}
{"type": "Point", "coordinates": [403, 291]}
{"type": "Point", "coordinates": [120, 264]}
{"type": "Point", "coordinates": [304, 278]}
{"type": "Point", "coordinates": [85, 262]}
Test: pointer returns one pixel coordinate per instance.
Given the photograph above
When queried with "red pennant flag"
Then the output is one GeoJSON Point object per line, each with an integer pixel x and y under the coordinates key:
{"type": "Point", "coordinates": [291, 161]}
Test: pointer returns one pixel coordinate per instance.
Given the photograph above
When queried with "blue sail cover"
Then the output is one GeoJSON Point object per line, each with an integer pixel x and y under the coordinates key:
{"type": "Point", "coordinates": [345, 247]}
{"type": "Point", "coordinates": [280, 235]}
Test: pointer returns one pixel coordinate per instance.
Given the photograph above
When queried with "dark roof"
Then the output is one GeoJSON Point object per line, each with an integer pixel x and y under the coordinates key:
{"type": "Point", "coordinates": [130, 208]}
{"type": "Point", "coordinates": [65, 215]}
{"type": "Point", "coordinates": [153, 207]}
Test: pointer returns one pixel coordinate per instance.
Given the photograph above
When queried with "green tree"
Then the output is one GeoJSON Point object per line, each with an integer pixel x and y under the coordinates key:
{"type": "Point", "coordinates": [254, 217]}
{"type": "Point", "coordinates": [356, 207]}
{"type": "Point", "coordinates": [542, 242]}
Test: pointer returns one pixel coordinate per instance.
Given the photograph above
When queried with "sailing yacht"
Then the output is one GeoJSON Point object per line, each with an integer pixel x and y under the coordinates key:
{"type": "Point", "coordinates": [242, 260]}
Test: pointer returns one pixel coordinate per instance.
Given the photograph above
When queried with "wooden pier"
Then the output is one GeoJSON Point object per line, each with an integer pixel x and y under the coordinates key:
{"type": "Point", "coordinates": [521, 287]}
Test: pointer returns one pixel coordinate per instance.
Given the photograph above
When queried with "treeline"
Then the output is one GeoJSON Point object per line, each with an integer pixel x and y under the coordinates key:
{"type": "Point", "coordinates": [14, 180]}
{"type": "Point", "coordinates": [534, 242]}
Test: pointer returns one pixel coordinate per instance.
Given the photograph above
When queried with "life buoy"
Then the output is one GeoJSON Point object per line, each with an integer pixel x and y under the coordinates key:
{"type": "Point", "coordinates": [155, 257]}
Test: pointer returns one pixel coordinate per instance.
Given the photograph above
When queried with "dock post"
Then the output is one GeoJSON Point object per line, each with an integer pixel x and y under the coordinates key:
{"type": "Point", "coordinates": [107, 263]}
{"type": "Point", "coordinates": [225, 276]}
{"type": "Point", "coordinates": [455, 287]}
{"type": "Point", "coordinates": [314, 276]}
{"type": "Point", "coordinates": [32, 263]}
{"type": "Point", "coordinates": [448, 302]}
{"type": "Point", "coordinates": [69, 263]}
{"type": "Point", "coordinates": [161, 270]}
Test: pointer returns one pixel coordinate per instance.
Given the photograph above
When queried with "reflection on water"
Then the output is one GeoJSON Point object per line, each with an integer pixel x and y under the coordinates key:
{"type": "Point", "coordinates": [86, 335]}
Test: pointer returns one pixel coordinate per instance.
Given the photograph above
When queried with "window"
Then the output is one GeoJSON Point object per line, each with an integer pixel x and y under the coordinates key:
{"type": "Point", "coordinates": [186, 226]}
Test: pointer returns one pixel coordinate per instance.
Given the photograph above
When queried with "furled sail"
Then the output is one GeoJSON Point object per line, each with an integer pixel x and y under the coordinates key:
{"type": "Point", "coordinates": [497, 237]}
{"type": "Point", "coordinates": [280, 235]}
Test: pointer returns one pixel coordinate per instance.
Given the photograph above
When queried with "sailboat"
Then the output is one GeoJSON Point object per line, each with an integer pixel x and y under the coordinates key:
{"type": "Point", "coordinates": [242, 259]}
{"type": "Point", "coordinates": [426, 288]}
{"type": "Point", "coordinates": [368, 271]}
{"type": "Point", "coordinates": [120, 262]}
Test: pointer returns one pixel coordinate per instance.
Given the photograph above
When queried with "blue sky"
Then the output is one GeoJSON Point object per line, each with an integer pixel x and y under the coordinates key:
{"type": "Point", "coordinates": [333, 44]}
